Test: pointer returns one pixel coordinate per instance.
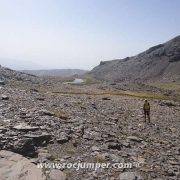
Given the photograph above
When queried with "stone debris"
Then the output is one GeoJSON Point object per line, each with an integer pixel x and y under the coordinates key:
{"type": "Point", "coordinates": [77, 126]}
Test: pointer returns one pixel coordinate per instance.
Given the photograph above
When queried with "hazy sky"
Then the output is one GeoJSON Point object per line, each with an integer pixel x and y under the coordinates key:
{"type": "Point", "coordinates": [80, 33]}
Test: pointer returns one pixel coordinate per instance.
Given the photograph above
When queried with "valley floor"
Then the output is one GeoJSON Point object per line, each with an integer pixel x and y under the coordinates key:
{"type": "Point", "coordinates": [92, 124]}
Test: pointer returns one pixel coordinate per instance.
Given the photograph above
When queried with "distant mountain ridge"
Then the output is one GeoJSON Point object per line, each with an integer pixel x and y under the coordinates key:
{"type": "Point", "coordinates": [161, 62]}
{"type": "Point", "coordinates": [56, 72]}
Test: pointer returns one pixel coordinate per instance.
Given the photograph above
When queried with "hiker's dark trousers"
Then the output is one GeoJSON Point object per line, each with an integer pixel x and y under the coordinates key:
{"type": "Point", "coordinates": [147, 114]}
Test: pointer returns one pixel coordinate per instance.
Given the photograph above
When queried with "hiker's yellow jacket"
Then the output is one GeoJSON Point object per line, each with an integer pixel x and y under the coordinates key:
{"type": "Point", "coordinates": [146, 106]}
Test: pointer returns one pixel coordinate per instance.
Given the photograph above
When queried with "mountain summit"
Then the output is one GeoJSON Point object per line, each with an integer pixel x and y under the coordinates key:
{"type": "Point", "coordinates": [161, 62]}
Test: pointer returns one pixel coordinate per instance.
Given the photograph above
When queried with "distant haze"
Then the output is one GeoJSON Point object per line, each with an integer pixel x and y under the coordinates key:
{"type": "Point", "coordinates": [56, 72]}
{"type": "Point", "coordinates": [78, 34]}
{"type": "Point", "coordinates": [19, 65]}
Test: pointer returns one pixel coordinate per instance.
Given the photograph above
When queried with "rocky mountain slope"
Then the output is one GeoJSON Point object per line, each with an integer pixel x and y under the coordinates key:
{"type": "Point", "coordinates": [7, 74]}
{"type": "Point", "coordinates": [56, 72]}
{"type": "Point", "coordinates": [161, 62]}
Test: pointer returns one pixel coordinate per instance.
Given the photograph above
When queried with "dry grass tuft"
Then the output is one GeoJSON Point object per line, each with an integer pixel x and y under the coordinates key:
{"type": "Point", "coordinates": [61, 114]}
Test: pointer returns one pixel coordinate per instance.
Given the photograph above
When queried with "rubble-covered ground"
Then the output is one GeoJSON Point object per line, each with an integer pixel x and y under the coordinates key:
{"type": "Point", "coordinates": [83, 123]}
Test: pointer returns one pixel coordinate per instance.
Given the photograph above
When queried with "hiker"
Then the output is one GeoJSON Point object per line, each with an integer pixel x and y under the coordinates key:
{"type": "Point", "coordinates": [146, 109]}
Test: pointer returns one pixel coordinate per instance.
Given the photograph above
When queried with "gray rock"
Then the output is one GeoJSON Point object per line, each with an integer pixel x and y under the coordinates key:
{"type": "Point", "coordinates": [40, 98]}
{"type": "Point", "coordinates": [114, 146]}
{"type": "Point", "coordinates": [129, 176]}
{"type": "Point", "coordinates": [170, 172]}
{"type": "Point", "coordinates": [95, 148]}
{"type": "Point", "coordinates": [44, 156]}
{"type": "Point", "coordinates": [167, 103]}
{"type": "Point", "coordinates": [63, 138]}
{"type": "Point", "coordinates": [3, 129]}
{"type": "Point", "coordinates": [4, 97]}
{"type": "Point", "coordinates": [2, 82]}
{"type": "Point", "coordinates": [25, 147]}
{"type": "Point", "coordinates": [44, 112]}
{"type": "Point", "coordinates": [126, 144]}
{"type": "Point", "coordinates": [25, 127]}
{"type": "Point", "coordinates": [115, 158]}
{"type": "Point", "coordinates": [39, 139]}
{"type": "Point", "coordinates": [57, 175]}
{"type": "Point", "coordinates": [106, 98]}
{"type": "Point", "coordinates": [134, 138]}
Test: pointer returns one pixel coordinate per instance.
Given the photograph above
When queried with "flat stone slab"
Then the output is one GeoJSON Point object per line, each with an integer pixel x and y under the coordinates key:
{"type": "Point", "coordinates": [37, 136]}
{"type": "Point", "coordinates": [24, 127]}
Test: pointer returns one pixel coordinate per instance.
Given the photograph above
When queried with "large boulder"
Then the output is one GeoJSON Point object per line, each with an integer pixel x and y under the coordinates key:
{"type": "Point", "coordinates": [16, 167]}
